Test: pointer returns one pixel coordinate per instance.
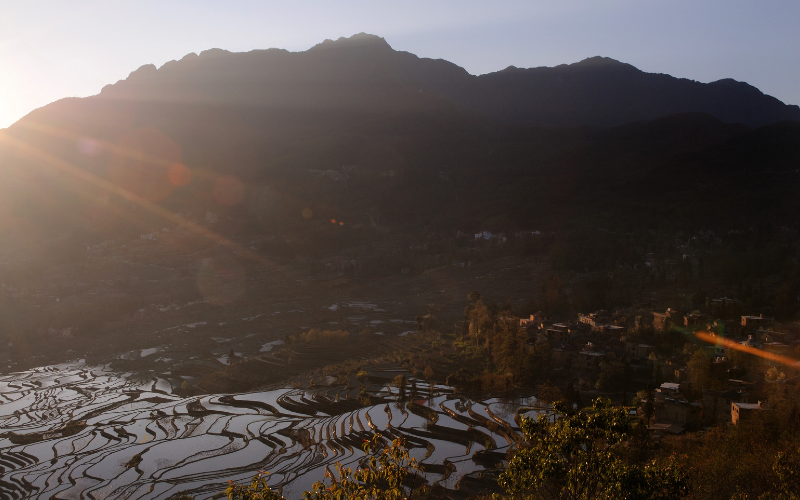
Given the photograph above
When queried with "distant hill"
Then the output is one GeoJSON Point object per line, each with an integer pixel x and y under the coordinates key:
{"type": "Point", "coordinates": [365, 72]}
{"type": "Point", "coordinates": [355, 131]}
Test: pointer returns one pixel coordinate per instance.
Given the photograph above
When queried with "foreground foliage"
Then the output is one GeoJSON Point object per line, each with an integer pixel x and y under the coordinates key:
{"type": "Point", "coordinates": [577, 456]}
{"type": "Point", "coordinates": [258, 489]}
{"type": "Point", "coordinates": [757, 459]}
{"type": "Point", "coordinates": [387, 473]}
{"type": "Point", "coordinates": [600, 453]}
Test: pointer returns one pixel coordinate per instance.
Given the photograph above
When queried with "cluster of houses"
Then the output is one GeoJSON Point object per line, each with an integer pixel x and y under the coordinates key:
{"type": "Point", "coordinates": [674, 413]}
{"type": "Point", "coordinates": [579, 348]}
{"type": "Point", "coordinates": [582, 348]}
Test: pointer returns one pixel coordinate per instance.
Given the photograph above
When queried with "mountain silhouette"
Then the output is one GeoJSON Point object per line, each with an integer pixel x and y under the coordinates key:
{"type": "Point", "coordinates": [363, 71]}
{"type": "Point", "coordinates": [354, 130]}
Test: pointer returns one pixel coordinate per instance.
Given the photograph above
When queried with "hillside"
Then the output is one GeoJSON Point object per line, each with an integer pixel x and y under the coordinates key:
{"type": "Point", "coordinates": [277, 179]}
{"type": "Point", "coordinates": [354, 130]}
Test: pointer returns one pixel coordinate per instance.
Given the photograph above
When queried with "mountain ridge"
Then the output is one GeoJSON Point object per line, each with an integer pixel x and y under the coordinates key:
{"type": "Point", "coordinates": [377, 136]}
{"type": "Point", "coordinates": [596, 91]}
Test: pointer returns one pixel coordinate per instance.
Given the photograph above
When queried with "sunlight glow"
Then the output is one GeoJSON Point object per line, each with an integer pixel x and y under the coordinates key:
{"type": "Point", "coordinates": [51, 164]}
{"type": "Point", "coordinates": [730, 344]}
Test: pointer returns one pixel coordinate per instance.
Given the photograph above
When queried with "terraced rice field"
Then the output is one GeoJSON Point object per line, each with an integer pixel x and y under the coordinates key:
{"type": "Point", "coordinates": [74, 431]}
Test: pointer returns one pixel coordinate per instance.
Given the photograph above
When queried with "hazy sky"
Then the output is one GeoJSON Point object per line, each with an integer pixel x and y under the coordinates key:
{"type": "Point", "coordinates": [54, 49]}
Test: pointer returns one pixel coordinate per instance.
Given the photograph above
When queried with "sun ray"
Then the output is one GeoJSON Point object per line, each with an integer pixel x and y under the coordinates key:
{"type": "Point", "coordinates": [47, 160]}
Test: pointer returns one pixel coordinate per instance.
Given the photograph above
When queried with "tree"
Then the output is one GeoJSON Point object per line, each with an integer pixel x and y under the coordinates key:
{"type": "Point", "coordinates": [786, 468]}
{"type": "Point", "coordinates": [550, 394]}
{"type": "Point", "coordinates": [508, 347]}
{"type": "Point", "coordinates": [387, 473]}
{"type": "Point", "coordinates": [380, 476]}
{"type": "Point", "coordinates": [428, 373]}
{"type": "Point", "coordinates": [258, 489]}
{"type": "Point", "coordinates": [461, 380]}
{"type": "Point", "coordinates": [400, 382]}
{"type": "Point", "coordinates": [479, 321]}
{"type": "Point", "coordinates": [575, 457]}
{"type": "Point", "coordinates": [774, 375]}
{"type": "Point", "coordinates": [612, 374]}
{"type": "Point", "coordinates": [741, 359]}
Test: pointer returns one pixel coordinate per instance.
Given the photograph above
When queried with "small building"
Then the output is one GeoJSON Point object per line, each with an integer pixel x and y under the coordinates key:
{"type": "Point", "coordinates": [557, 334]}
{"type": "Point", "coordinates": [638, 351]}
{"type": "Point", "coordinates": [717, 404]}
{"type": "Point", "coordinates": [589, 359]}
{"type": "Point", "coordinates": [667, 428]}
{"type": "Point", "coordinates": [668, 390]}
{"type": "Point", "coordinates": [678, 411]}
{"type": "Point", "coordinates": [694, 318]}
{"type": "Point", "coordinates": [595, 320]}
{"type": "Point", "coordinates": [740, 411]}
{"type": "Point", "coordinates": [613, 330]}
{"type": "Point", "coordinates": [752, 323]}
{"type": "Point", "coordinates": [720, 306]}
{"type": "Point", "coordinates": [526, 322]}
{"type": "Point", "coordinates": [771, 335]}
{"type": "Point", "coordinates": [662, 320]}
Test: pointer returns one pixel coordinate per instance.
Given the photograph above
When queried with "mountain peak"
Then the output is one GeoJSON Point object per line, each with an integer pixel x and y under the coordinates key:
{"type": "Point", "coordinates": [601, 62]}
{"type": "Point", "coordinates": [360, 40]}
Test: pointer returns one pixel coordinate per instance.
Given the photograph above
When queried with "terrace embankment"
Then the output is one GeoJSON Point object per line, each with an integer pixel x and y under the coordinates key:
{"type": "Point", "coordinates": [133, 442]}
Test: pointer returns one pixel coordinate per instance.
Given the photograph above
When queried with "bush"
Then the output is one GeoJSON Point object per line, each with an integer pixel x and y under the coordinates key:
{"type": "Point", "coordinates": [387, 473]}
{"type": "Point", "coordinates": [575, 457]}
{"type": "Point", "coordinates": [325, 337]}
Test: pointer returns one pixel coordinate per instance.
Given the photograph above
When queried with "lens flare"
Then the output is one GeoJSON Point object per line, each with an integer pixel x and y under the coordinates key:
{"type": "Point", "coordinates": [137, 172]}
{"type": "Point", "coordinates": [333, 221]}
{"type": "Point", "coordinates": [306, 213]}
{"type": "Point", "coordinates": [88, 146]}
{"type": "Point", "coordinates": [179, 174]}
{"type": "Point", "coordinates": [85, 183]}
{"type": "Point", "coordinates": [722, 341]}
{"type": "Point", "coordinates": [228, 190]}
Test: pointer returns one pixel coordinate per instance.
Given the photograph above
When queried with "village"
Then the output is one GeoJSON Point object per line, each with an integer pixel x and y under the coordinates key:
{"type": "Point", "coordinates": [687, 384]}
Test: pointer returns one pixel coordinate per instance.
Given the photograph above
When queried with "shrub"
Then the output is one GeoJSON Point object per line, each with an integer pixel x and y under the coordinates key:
{"type": "Point", "coordinates": [574, 457]}
{"type": "Point", "coordinates": [387, 473]}
{"type": "Point", "coordinates": [325, 337]}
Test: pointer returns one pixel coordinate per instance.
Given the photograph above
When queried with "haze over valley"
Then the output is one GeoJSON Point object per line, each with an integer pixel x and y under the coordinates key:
{"type": "Point", "coordinates": [245, 261]}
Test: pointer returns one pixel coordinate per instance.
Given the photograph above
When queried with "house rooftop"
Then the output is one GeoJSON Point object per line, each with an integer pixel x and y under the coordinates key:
{"type": "Point", "coordinates": [664, 427]}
